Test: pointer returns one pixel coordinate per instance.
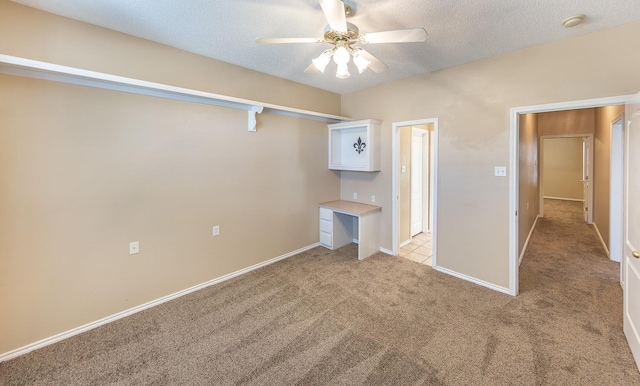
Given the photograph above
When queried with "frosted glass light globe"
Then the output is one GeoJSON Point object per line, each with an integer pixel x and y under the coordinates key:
{"type": "Point", "coordinates": [341, 56]}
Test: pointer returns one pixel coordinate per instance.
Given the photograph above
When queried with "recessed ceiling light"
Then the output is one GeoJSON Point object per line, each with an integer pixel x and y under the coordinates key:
{"type": "Point", "coordinates": [573, 21]}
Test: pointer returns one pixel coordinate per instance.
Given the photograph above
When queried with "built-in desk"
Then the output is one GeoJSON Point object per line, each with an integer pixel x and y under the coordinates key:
{"type": "Point", "coordinates": [343, 222]}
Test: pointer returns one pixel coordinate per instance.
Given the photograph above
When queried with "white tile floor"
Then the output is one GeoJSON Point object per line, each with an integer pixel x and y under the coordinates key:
{"type": "Point", "coordinates": [420, 249]}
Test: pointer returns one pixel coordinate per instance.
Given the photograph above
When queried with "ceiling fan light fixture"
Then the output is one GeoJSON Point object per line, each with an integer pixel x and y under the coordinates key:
{"type": "Point", "coordinates": [343, 71]}
{"type": "Point", "coordinates": [341, 55]}
{"type": "Point", "coordinates": [361, 62]}
{"type": "Point", "coordinates": [323, 60]}
{"type": "Point", "coordinates": [342, 36]}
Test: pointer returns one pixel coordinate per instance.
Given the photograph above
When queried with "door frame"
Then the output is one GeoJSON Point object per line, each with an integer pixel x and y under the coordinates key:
{"type": "Point", "coordinates": [541, 171]}
{"type": "Point", "coordinates": [395, 178]}
{"type": "Point", "coordinates": [629, 294]}
{"type": "Point", "coordinates": [425, 224]}
{"type": "Point", "coordinates": [514, 124]}
{"type": "Point", "coordinates": [616, 191]}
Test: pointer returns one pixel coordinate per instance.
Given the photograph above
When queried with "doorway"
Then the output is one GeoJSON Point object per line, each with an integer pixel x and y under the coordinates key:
{"type": "Point", "coordinates": [514, 188]}
{"type": "Point", "coordinates": [419, 180]}
{"type": "Point", "coordinates": [415, 199]}
{"type": "Point", "coordinates": [566, 170]}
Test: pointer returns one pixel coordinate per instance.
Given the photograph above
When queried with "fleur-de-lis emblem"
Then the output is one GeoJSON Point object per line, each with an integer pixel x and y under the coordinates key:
{"type": "Point", "coordinates": [359, 146]}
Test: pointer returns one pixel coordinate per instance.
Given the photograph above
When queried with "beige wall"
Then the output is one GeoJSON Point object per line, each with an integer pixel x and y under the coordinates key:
{"type": "Point", "coordinates": [580, 121]}
{"type": "Point", "coordinates": [472, 104]}
{"type": "Point", "coordinates": [562, 168]}
{"type": "Point", "coordinates": [529, 201]}
{"type": "Point", "coordinates": [405, 183]}
{"type": "Point", "coordinates": [604, 116]}
{"type": "Point", "coordinates": [86, 171]}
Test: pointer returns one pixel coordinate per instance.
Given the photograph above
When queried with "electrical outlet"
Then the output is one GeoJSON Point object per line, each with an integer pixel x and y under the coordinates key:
{"type": "Point", "coordinates": [373, 198]}
{"type": "Point", "coordinates": [500, 171]}
{"type": "Point", "coordinates": [134, 247]}
{"type": "Point", "coordinates": [216, 230]}
{"type": "Point", "coordinates": [355, 195]}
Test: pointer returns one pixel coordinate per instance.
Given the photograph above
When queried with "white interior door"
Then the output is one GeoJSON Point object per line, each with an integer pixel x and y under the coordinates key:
{"type": "Point", "coordinates": [586, 167]}
{"type": "Point", "coordinates": [631, 253]}
{"type": "Point", "coordinates": [416, 181]}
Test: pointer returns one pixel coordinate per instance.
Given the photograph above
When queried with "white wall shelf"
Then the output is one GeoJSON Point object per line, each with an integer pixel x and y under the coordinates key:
{"type": "Point", "coordinates": [48, 71]}
{"type": "Point", "coordinates": [355, 146]}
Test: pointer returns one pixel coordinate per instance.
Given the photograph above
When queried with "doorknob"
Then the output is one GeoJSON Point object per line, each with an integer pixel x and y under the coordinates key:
{"type": "Point", "coordinates": [636, 254]}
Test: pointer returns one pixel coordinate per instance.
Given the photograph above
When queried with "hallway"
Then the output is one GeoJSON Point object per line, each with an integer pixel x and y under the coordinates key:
{"type": "Point", "coordinates": [564, 252]}
{"type": "Point", "coordinates": [575, 288]}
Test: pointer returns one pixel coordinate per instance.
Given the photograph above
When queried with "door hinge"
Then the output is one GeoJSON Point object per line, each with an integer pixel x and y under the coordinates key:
{"type": "Point", "coordinates": [516, 212]}
{"type": "Point", "coordinates": [586, 209]}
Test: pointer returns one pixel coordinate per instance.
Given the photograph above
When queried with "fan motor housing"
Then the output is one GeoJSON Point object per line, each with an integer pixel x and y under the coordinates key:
{"type": "Point", "coordinates": [351, 35]}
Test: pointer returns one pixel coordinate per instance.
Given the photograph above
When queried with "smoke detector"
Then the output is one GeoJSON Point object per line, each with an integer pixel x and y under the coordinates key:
{"type": "Point", "coordinates": [573, 21]}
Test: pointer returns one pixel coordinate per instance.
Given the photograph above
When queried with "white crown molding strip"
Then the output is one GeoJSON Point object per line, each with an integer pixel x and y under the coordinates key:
{"type": "Point", "coordinates": [473, 280]}
{"type": "Point", "coordinates": [13, 65]}
{"type": "Point", "coordinates": [89, 326]}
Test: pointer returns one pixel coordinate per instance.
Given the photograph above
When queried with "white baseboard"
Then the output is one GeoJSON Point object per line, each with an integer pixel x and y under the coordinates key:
{"type": "Point", "coordinates": [388, 252]}
{"type": "Point", "coordinates": [405, 243]}
{"type": "Point", "coordinates": [473, 280]}
{"type": "Point", "coordinates": [564, 198]}
{"type": "Point", "coordinates": [526, 243]}
{"type": "Point", "coordinates": [601, 239]}
{"type": "Point", "coordinates": [89, 326]}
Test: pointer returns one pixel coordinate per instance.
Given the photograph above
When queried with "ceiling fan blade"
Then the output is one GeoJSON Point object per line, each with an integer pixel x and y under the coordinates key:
{"type": "Point", "coordinates": [287, 40]}
{"type": "Point", "coordinates": [334, 12]}
{"type": "Point", "coordinates": [414, 35]}
{"type": "Point", "coordinates": [376, 65]}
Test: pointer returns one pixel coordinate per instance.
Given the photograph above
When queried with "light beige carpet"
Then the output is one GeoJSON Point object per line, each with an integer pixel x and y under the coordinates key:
{"type": "Point", "coordinates": [324, 318]}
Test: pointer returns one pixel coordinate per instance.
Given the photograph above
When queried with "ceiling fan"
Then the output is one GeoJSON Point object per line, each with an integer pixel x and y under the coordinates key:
{"type": "Point", "coordinates": [343, 36]}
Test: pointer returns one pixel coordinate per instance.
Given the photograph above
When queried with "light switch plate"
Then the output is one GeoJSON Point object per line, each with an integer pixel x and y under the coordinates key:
{"type": "Point", "coordinates": [216, 230]}
{"type": "Point", "coordinates": [501, 171]}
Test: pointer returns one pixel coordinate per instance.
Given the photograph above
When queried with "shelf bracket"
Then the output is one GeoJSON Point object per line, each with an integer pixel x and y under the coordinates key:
{"type": "Point", "coordinates": [252, 117]}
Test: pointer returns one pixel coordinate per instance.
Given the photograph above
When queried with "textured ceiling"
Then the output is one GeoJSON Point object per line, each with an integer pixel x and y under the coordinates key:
{"type": "Point", "coordinates": [460, 31]}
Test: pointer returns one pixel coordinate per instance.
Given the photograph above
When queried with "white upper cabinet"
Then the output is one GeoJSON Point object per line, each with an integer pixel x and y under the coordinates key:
{"type": "Point", "coordinates": [355, 146]}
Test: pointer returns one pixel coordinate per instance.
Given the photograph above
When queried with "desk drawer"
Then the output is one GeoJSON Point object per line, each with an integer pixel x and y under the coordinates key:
{"type": "Point", "coordinates": [326, 226]}
{"type": "Point", "coordinates": [326, 214]}
{"type": "Point", "coordinates": [326, 240]}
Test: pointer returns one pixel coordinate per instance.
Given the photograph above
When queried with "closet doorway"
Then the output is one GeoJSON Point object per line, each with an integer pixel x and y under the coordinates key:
{"type": "Point", "coordinates": [414, 187]}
